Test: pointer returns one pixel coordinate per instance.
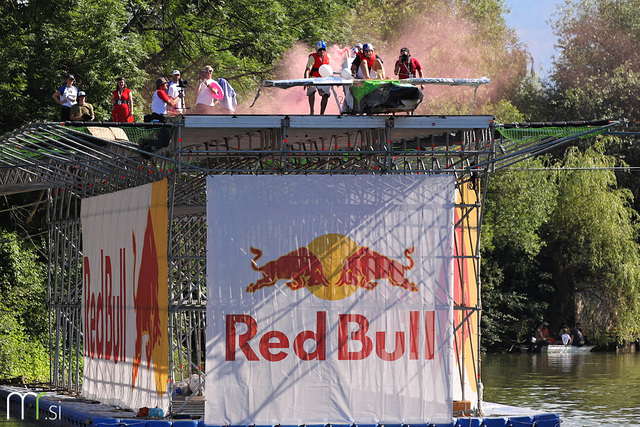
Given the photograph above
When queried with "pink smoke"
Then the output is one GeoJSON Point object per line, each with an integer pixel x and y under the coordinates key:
{"type": "Point", "coordinates": [294, 100]}
{"type": "Point", "coordinates": [445, 46]}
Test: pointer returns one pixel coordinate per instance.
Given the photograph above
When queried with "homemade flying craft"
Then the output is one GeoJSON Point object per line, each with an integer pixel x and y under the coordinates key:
{"type": "Point", "coordinates": [373, 96]}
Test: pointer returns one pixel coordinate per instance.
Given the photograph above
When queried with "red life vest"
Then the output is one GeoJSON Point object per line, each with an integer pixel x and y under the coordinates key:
{"type": "Point", "coordinates": [369, 60]}
{"type": "Point", "coordinates": [318, 62]}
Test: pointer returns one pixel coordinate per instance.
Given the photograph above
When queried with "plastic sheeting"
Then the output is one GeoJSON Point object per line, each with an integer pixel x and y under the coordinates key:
{"type": "Point", "coordinates": [329, 299]}
{"type": "Point", "coordinates": [125, 294]}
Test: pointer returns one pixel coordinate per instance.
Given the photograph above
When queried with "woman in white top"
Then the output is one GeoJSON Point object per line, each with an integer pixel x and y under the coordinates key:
{"type": "Point", "coordinates": [205, 101]}
{"type": "Point", "coordinates": [66, 96]}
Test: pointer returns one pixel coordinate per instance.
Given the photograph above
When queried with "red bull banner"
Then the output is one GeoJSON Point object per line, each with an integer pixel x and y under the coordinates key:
{"type": "Point", "coordinates": [329, 299]}
{"type": "Point", "coordinates": [125, 297]}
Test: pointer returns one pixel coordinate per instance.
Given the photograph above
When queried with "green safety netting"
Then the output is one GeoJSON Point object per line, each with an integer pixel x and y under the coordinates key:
{"type": "Point", "coordinates": [530, 134]}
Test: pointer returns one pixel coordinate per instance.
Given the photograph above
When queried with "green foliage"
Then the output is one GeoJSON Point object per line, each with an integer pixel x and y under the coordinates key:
{"type": "Point", "coordinates": [596, 75]}
{"type": "Point", "coordinates": [23, 314]}
{"type": "Point", "coordinates": [516, 290]}
{"type": "Point", "coordinates": [594, 254]}
{"type": "Point", "coordinates": [20, 354]}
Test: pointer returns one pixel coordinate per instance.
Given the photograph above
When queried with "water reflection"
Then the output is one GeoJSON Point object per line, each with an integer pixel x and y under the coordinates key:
{"type": "Point", "coordinates": [594, 389]}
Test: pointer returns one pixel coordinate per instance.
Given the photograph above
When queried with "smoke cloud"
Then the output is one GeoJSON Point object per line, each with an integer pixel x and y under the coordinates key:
{"type": "Point", "coordinates": [445, 47]}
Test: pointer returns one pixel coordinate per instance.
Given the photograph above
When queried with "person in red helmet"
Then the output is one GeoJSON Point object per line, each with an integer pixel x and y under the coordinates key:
{"type": "Point", "coordinates": [317, 59]}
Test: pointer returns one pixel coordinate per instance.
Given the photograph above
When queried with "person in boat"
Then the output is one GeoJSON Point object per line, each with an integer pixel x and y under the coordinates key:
{"type": "Point", "coordinates": [564, 335]}
{"type": "Point", "coordinates": [317, 59]}
{"type": "Point", "coordinates": [577, 337]}
{"type": "Point", "coordinates": [541, 334]}
{"type": "Point", "coordinates": [546, 335]}
{"type": "Point", "coordinates": [368, 65]}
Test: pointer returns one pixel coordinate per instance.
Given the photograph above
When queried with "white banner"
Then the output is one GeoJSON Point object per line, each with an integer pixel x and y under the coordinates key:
{"type": "Point", "coordinates": [125, 297]}
{"type": "Point", "coordinates": [329, 299]}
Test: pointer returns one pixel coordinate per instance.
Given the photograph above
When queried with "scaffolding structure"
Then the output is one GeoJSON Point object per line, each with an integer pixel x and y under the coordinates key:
{"type": "Point", "coordinates": [73, 162]}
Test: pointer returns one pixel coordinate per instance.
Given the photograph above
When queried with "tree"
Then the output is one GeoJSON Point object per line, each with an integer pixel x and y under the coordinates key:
{"type": "Point", "coordinates": [592, 252]}
{"type": "Point", "coordinates": [597, 73]}
{"type": "Point", "coordinates": [99, 40]}
{"type": "Point", "coordinates": [23, 312]}
{"type": "Point", "coordinates": [516, 290]}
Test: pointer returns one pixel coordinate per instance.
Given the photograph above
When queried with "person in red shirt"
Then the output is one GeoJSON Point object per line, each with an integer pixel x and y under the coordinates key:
{"type": "Point", "coordinates": [407, 67]}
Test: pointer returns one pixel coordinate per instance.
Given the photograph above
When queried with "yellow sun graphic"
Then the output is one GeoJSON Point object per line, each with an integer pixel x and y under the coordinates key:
{"type": "Point", "coordinates": [332, 250]}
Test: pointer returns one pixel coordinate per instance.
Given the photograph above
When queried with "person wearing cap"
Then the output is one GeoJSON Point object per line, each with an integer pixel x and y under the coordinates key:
{"type": "Point", "coordinates": [66, 96]}
{"type": "Point", "coordinates": [122, 102]}
{"type": "Point", "coordinates": [407, 67]}
{"type": "Point", "coordinates": [205, 100]}
{"type": "Point", "coordinates": [161, 101]}
{"type": "Point", "coordinates": [82, 110]}
{"type": "Point", "coordinates": [317, 59]}
{"type": "Point", "coordinates": [175, 90]}
{"type": "Point", "coordinates": [368, 65]}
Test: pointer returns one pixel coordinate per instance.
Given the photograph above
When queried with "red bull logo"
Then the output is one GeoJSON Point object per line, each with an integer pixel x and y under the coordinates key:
{"type": "Point", "coordinates": [333, 267]}
{"type": "Point", "coordinates": [151, 319]}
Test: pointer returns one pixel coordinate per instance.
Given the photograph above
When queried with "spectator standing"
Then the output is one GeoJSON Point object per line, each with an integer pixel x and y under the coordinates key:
{"type": "Point", "coordinates": [205, 100]}
{"type": "Point", "coordinates": [82, 110]}
{"type": "Point", "coordinates": [407, 67]}
{"type": "Point", "coordinates": [66, 96]}
{"type": "Point", "coordinates": [122, 102]}
{"type": "Point", "coordinates": [175, 90]}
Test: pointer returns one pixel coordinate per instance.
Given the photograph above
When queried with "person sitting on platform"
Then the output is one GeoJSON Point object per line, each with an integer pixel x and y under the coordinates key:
{"type": "Point", "coordinates": [367, 64]}
{"type": "Point", "coordinates": [82, 110]}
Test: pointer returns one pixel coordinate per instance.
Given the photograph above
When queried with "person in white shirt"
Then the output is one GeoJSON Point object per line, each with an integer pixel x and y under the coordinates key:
{"type": "Point", "coordinates": [66, 96]}
{"type": "Point", "coordinates": [206, 101]}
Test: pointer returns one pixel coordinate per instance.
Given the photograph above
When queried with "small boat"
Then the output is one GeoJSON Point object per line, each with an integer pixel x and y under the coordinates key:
{"type": "Point", "coordinates": [561, 349]}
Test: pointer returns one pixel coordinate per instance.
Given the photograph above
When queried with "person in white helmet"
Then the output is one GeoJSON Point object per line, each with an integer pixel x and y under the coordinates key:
{"type": "Point", "coordinates": [368, 65]}
{"type": "Point", "coordinates": [317, 59]}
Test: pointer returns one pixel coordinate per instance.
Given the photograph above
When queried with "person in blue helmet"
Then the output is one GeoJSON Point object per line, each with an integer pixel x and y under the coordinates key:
{"type": "Point", "coordinates": [316, 60]}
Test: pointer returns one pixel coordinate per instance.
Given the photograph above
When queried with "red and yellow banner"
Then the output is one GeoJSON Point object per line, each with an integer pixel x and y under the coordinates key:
{"type": "Point", "coordinates": [125, 297]}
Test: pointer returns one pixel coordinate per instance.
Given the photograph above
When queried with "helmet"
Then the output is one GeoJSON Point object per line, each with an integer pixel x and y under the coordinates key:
{"type": "Point", "coordinates": [367, 46]}
{"type": "Point", "coordinates": [321, 45]}
{"type": "Point", "coordinates": [358, 46]}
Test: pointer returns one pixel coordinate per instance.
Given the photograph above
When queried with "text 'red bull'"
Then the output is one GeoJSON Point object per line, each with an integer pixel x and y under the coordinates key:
{"type": "Point", "coordinates": [275, 346]}
{"type": "Point", "coordinates": [105, 313]}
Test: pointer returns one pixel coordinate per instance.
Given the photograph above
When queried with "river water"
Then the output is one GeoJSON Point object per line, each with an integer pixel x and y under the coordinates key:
{"type": "Point", "coordinates": [593, 389]}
